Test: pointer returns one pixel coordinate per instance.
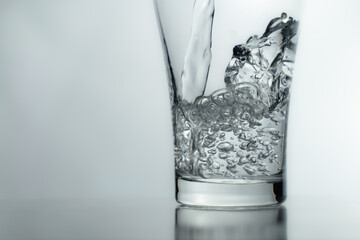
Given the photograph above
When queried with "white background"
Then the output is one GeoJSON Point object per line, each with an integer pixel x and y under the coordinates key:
{"type": "Point", "coordinates": [85, 113]}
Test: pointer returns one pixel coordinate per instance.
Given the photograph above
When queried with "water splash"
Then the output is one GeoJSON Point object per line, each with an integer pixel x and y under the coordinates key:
{"type": "Point", "coordinates": [267, 62]}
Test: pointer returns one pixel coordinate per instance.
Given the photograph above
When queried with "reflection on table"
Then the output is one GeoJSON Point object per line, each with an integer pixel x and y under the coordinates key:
{"type": "Point", "coordinates": [228, 224]}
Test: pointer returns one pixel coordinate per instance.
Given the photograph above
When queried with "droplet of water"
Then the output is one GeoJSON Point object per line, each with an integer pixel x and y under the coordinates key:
{"type": "Point", "coordinates": [284, 17]}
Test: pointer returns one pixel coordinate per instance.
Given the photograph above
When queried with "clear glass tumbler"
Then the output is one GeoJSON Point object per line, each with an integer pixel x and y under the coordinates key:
{"type": "Point", "coordinates": [230, 66]}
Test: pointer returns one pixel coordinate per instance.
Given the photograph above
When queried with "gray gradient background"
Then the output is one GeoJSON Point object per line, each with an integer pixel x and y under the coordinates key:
{"type": "Point", "coordinates": [85, 131]}
{"type": "Point", "coordinates": [84, 110]}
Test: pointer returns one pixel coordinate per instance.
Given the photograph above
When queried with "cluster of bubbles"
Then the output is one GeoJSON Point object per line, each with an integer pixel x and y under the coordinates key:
{"type": "Point", "coordinates": [230, 134]}
{"type": "Point", "coordinates": [239, 131]}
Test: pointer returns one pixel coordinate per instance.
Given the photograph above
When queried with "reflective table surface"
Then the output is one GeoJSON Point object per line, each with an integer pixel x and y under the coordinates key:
{"type": "Point", "coordinates": [136, 218]}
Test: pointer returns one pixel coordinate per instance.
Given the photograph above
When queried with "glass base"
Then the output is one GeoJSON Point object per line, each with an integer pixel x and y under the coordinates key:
{"type": "Point", "coordinates": [210, 194]}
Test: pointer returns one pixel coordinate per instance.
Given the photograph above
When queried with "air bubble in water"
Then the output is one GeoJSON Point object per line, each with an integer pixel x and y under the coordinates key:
{"type": "Point", "coordinates": [232, 162]}
{"type": "Point", "coordinates": [252, 146]}
{"type": "Point", "coordinates": [249, 169]}
{"type": "Point", "coordinates": [242, 136]}
{"type": "Point", "coordinates": [232, 169]}
{"type": "Point", "coordinates": [222, 136]}
{"type": "Point", "coordinates": [223, 155]}
{"type": "Point", "coordinates": [243, 146]}
{"type": "Point", "coordinates": [262, 169]}
{"type": "Point", "coordinates": [210, 161]}
{"type": "Point", "coordinates": [202, 170]}
{"type": "Point", "coordinates": [243, 160]}
{"type": "Point", "coordinates": [239, 154]}
{"type": "Point", "coordinates": [215, 165]}
{"type": "Point", "coordinates": [225, 147]}
{"type": "Point", "coordinates": [263, 155]}
{"type": "Point", "coordinates": [253, 140]}
{"type": "Point", "coordinates": [226, 128]}
{"type": "Point", "coordinates": [212, 151]}
{"type": "Point", "coordinates": [269, 148]}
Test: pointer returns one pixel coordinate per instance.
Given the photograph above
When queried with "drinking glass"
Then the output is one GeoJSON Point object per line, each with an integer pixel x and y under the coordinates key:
{"type": "Point", "coordinates": [230, 66]}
